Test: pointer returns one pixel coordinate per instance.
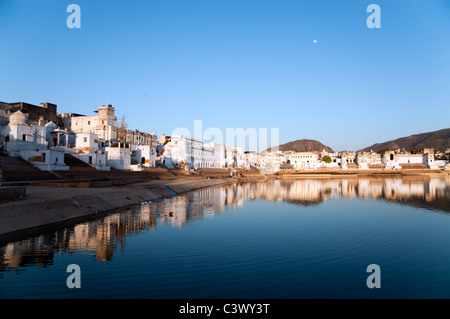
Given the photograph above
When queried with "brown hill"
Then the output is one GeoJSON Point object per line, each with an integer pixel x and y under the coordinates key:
{"type": "Point", "coordinates": [303, 146]}
{"type": "Point", "coordinates": [436, 139]}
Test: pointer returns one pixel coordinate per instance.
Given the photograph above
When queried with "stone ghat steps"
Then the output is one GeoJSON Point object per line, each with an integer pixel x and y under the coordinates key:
{"type": "Point", "coordinates": [15, 163]}
{"type": "Point", "coordinates": [79, 174]}
{"type": "Point", "coordinates": [219, 173]}
{"type": "Point", "coordinates": [77, 164]}
{"type": "Point", "coordinates": [18, 169]}
{"type": "Point", "coordinates": [414, 166]}
{"type": "Point", "coordinates": [352, 166]}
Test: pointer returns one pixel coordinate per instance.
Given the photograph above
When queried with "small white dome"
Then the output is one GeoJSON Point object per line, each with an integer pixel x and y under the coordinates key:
{"type": "Point", "coordinates": [18, 118]}
{"type": "Point", "coordinates": [51, 125]}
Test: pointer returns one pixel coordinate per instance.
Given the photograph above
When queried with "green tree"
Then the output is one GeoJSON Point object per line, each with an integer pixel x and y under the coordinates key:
{"type": "Point", "coordinates": [327, 159]}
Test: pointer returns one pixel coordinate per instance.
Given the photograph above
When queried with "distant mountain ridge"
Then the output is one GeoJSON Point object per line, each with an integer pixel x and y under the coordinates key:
{"type": "Point", "coordinates": [303, 145]}
{"type": "Point", "coordinates": [435, 139]}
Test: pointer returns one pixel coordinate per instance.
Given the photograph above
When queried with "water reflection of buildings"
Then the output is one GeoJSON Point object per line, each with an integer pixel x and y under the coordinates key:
{"type": "Point", "coordinates": [182, 210]}
{"type": "Point", "coordinates": [104, 235]}
{"type": "Point", "coordinates": [101, 237]}
{"type": "Point", "coordinates": [314, 191]}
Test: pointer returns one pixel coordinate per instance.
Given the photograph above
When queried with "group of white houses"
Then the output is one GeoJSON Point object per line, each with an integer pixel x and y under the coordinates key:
{"type": "Point", "coordinates": [363, 160]}
{"type": "Point", "coordinates": [136, 151]}
{"type": "Point", "coordinates": [43, 138]}
{"type": "Point", "coordinates": [91, 139]}
{"type": "Point", "coordinates": [19, 138]}
{"type": "Point", "coordinates": [304, 161]}
{"type": "Point", "coordinates": [184, 151]}
{"type": "Point", "coordinates": [178, 151]}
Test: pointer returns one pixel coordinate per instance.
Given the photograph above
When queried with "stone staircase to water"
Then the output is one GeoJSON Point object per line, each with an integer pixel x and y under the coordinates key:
{"type": "Point", "coordinates": [76, 164]}
{"type": "Point", "coordinates": [18, 169]}
{"type": "Point", "coordinates": [414, 166]}
{"type": "Point", "coordinates": [352, 166]}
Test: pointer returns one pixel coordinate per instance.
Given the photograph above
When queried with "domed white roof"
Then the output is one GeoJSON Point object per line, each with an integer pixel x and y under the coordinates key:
{"type": "Point", "coordinates": [18, 118]}
{"type": "Point", "coordinates": [51, 125]}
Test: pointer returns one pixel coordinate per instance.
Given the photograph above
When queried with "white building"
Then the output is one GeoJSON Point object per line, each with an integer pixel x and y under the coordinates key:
{"type": "Point", "coordinates": [182, 150]}
{"type": "Point", "coordinates": [137, 150]}
{"type": "Point", "coordinates": [144, 155]}
{"type": "Point", "coordinates": [408, 158]}
{"type": "Point", "coordinates": [231, 156]}
{"type": "Point", "coordinates": [271, 161]}
{"type": "Point", "coordinates": [251, 159]}
{"type": "Point", "coordinates": [334, 159]}
{"type": "Point", "coordinates": [220, 156]}
{"type": "Point", "coordinates": [29, 142]}
{"type": "Point", "coordinates": [118, 156]}
{"type": "Point", "coordinates": [394, 160]}
{"type": "Point", "coordinates": [214, 155]}
{"type": "Point", "coordinates": [428, 159]}
{"type": "Point", "coordinates": [346, 159]}
{"type": "Point", "coordinates": [367, 160]}
{"type": "Point", "coordinates": [104, 124]}
{"type": "Point", "coordinates": [178, 151]}
{"type": "Point", "coordinates": [236, 157]}
{"type": "Point", "coordinates": [303, 160]}
{"type": "Point", "coordinates": [88, 151]}
{"type": "Point", "coordinates": [142, 138]}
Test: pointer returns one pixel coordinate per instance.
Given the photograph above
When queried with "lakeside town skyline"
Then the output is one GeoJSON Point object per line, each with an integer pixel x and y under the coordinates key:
{"type": "Point", "coordinates": [53, 141]}
{"type": "Point", "coordinates": [197, 131]}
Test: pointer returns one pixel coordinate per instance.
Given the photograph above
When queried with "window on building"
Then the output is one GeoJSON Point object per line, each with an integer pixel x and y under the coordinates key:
{"type": "Point", "coordinates": [89, 122]}
{"type": "Point", "coordinates": [85, 139]}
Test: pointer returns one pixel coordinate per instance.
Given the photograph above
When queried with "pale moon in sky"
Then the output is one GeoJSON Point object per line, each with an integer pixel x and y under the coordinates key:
{"type": "Point", "coordinates": [315, 41]}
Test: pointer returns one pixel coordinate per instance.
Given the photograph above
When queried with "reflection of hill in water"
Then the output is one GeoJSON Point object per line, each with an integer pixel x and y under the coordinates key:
{"type": "Point", "coordinates": [422, 192]}
{"type": "Point", "coordinates": [441, 204]}
{"type": "Point", "coordinates": [427, 192]}
{"type": "Point", "coordinates": [103, 236]}
{"type": "Point", "coordinates": [305, 203]}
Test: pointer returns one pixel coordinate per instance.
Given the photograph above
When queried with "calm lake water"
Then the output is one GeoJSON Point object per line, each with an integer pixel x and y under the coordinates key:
{"type": "Point", "coordinates": [274, 239]}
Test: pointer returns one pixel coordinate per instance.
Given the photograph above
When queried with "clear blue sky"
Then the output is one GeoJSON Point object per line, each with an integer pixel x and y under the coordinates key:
{"type": "Point", "coordinates": [237, 63]}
